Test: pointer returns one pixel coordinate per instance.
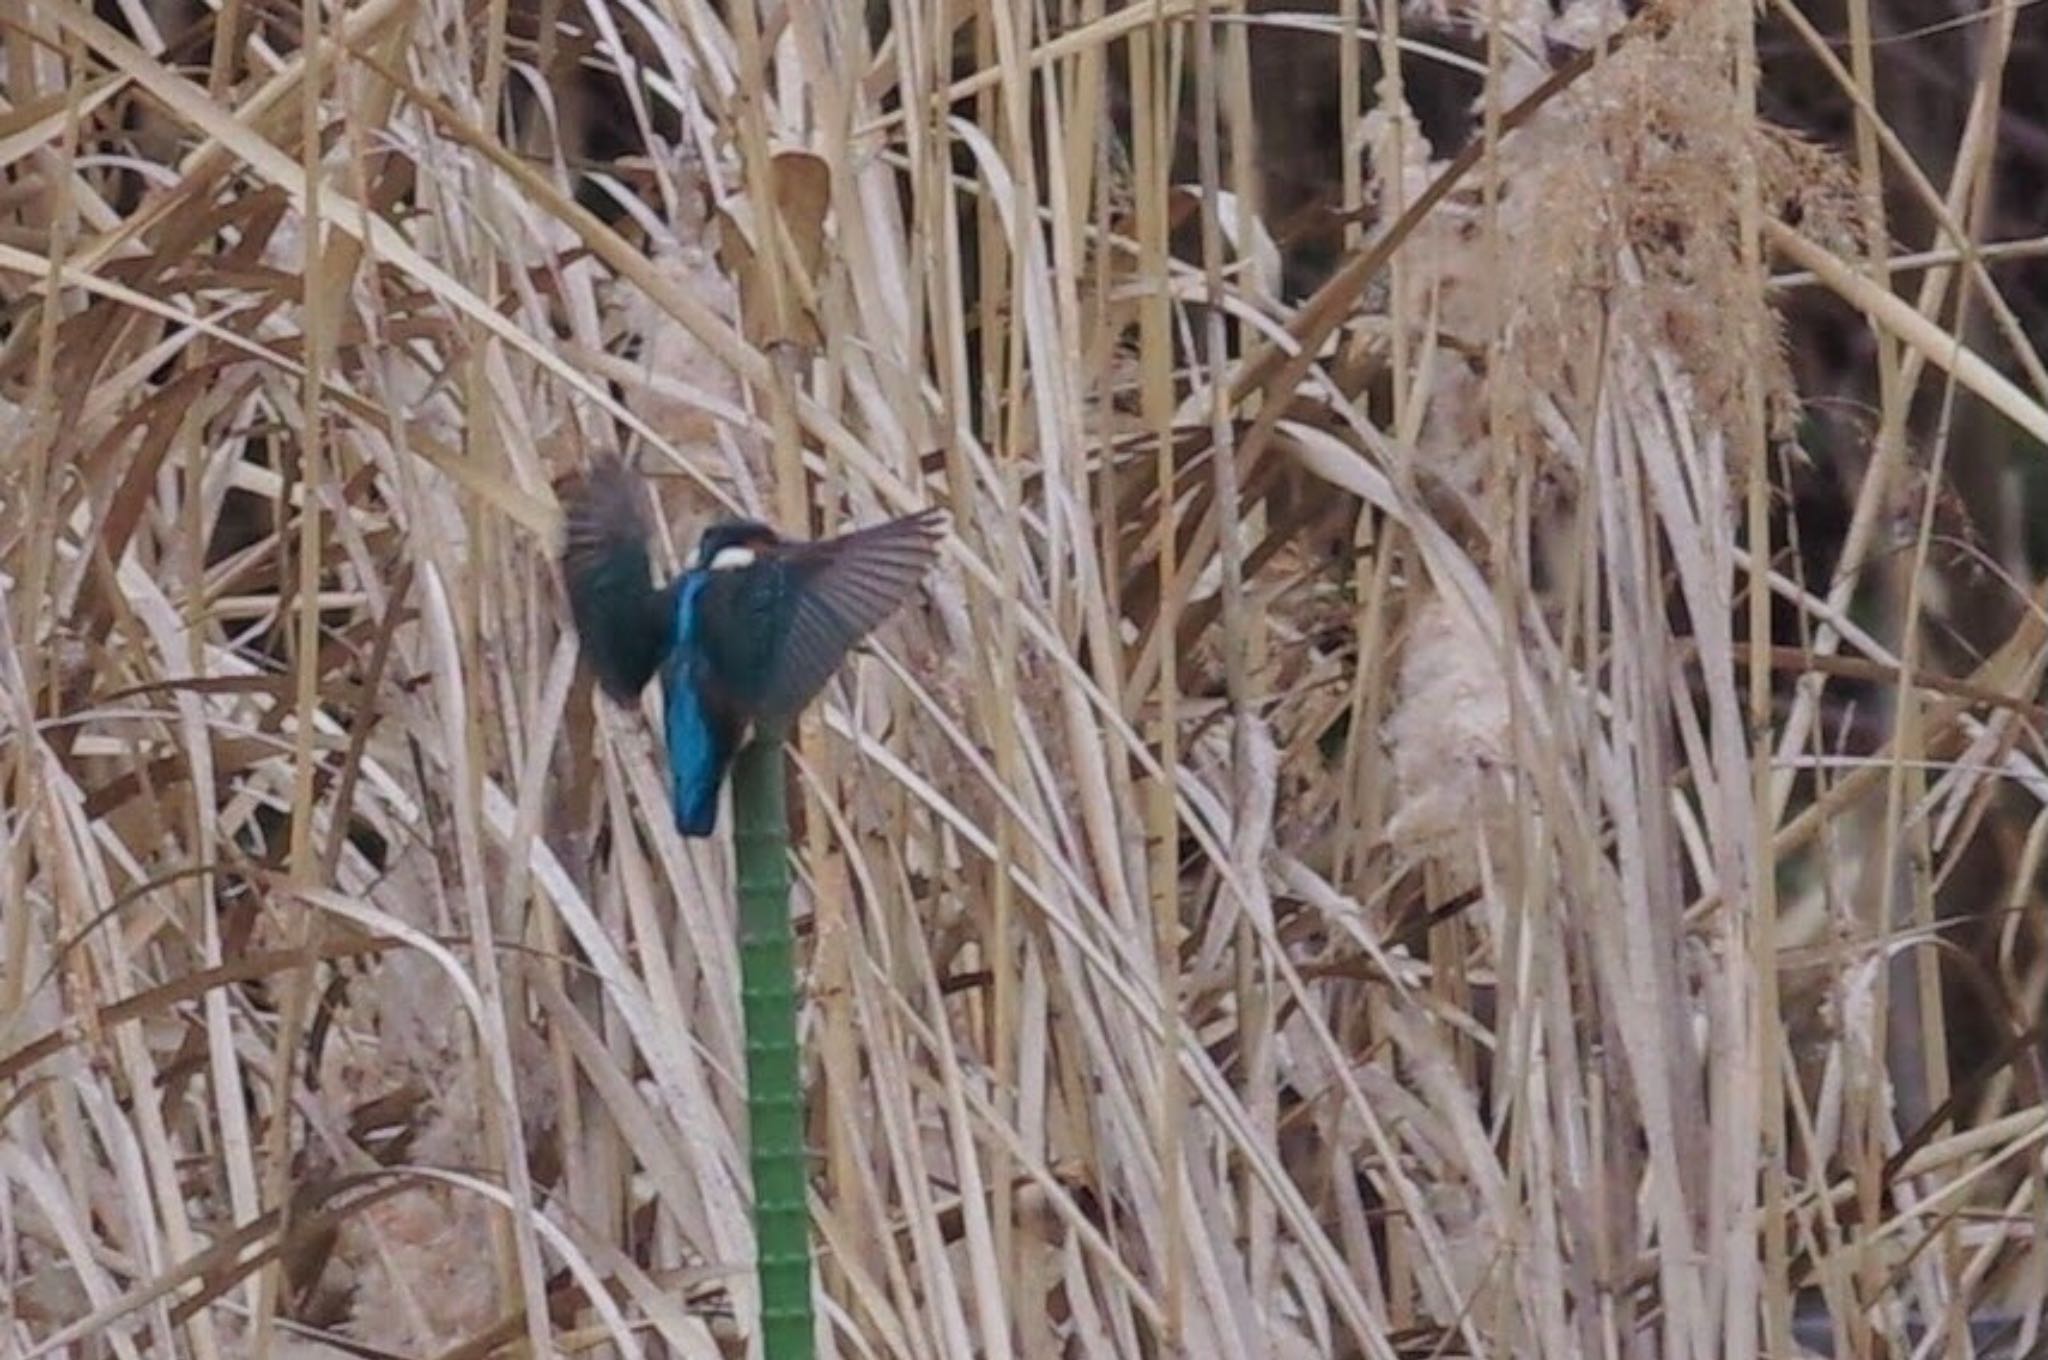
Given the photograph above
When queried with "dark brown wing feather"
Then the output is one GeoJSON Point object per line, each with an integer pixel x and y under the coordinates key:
{"type": "Point", "coordinates": [842, 589]}
{"type": "Point", "coordinates": [625, 622]}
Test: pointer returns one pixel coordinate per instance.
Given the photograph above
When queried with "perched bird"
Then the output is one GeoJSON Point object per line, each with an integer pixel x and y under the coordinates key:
{"type": "Point", "coordinates": [744, 636]}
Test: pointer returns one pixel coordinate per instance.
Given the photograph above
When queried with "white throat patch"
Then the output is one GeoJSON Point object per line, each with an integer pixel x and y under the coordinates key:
{"type": "Point", "coordinates": [731, 559]}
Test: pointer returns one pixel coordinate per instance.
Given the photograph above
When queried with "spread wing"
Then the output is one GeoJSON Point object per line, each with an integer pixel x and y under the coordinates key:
{"type": "Point", "coordinates": [843, 589]}
{"type": "Point", "coordinates": [808, 604]}
{"type": "Point", "coordinates": [624, 621]}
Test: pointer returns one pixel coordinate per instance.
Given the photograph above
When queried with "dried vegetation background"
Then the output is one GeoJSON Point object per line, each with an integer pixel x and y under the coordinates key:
{"type": "Point", "coordinates": [1471, 782]}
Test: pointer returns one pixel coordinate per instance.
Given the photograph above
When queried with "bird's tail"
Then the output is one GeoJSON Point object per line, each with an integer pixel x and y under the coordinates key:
{"type": "Point", "coordinates": [696, 799]}
{"type": "Point", "coordinates": [624, 620]}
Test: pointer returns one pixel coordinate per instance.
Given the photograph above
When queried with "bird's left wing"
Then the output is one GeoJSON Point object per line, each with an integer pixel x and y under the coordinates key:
{"type": "Point", "coordinates": [625, 622]}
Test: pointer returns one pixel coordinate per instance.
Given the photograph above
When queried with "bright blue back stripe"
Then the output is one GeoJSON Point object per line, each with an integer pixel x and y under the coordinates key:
{"type": "Point", "coordinates": [694, 758]}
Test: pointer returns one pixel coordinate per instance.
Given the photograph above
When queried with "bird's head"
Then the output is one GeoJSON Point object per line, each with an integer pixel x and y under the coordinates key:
{"type": "Point", "coordinates": [733, 543]}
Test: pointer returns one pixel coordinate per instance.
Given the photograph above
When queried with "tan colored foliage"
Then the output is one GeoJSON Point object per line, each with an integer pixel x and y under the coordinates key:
{"type": "Point", "coordinates": [1321, 873]}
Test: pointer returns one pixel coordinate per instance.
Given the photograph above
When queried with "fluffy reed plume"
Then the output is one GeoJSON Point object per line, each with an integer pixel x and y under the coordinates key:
{"type": "Point", "coordinates": [1343, 860]}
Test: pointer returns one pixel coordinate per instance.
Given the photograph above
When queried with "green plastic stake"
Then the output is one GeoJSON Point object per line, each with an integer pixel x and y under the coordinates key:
{"type": "Point", "coordinates": [775, 1077]}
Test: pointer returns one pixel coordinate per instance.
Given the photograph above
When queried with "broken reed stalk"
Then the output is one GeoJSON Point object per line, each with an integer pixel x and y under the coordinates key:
{"type": "Point", "coordinates": [775, 1093]}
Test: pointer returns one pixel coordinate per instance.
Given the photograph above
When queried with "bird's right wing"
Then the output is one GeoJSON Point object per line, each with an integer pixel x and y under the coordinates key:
{"type": "Point", "coordinates": [840, 590]}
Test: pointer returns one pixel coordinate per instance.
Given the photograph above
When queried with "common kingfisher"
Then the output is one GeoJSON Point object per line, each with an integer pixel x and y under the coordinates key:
{"type": "Point", "coordinates": [744, 636]}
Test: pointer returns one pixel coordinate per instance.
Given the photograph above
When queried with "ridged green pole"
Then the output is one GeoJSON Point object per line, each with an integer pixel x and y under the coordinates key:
{"type": "Point", "coordinates": [775, 1090]}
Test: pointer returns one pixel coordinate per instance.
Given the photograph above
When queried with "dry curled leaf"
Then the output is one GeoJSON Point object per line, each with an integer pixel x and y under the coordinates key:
{"type": "Point", "coordinates": [803, 196]}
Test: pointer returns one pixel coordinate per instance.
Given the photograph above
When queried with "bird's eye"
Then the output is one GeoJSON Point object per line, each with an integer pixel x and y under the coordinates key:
{"type": "Point", "coordinates": [729, 559]}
